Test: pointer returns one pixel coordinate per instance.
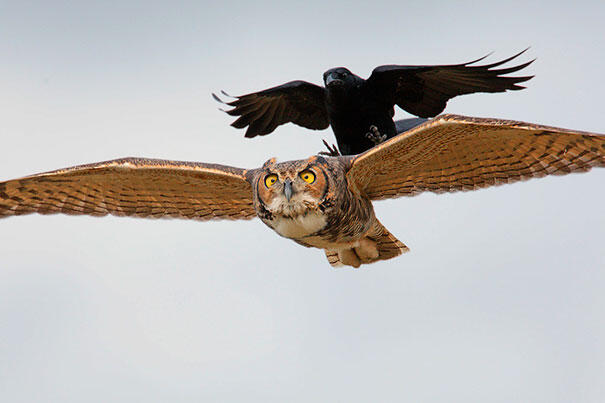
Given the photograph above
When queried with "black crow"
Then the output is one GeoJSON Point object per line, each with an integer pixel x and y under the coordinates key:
{"type": "Point", "coordinates": [361, 111]}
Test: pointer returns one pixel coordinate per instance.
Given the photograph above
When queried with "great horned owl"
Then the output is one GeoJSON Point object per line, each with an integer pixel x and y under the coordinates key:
{"type": "Point", "coordinates": [318, 202]}
{"type": "Point", "coordinates": [311, 202]}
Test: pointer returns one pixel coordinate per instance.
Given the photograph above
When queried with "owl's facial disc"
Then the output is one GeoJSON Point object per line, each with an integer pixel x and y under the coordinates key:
{"type": "Point", "coordinates": [289, 185]}
{"type": "Point", "coordinates": [291, 190]}
{"type": "Point", "coordinates": [299, 185]}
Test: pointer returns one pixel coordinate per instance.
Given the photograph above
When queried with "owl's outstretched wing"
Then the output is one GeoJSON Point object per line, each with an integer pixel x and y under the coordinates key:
{"type": "Point", "coordinates": [133, 187]}
{"type": "Point", "coordinates": [453, 153]}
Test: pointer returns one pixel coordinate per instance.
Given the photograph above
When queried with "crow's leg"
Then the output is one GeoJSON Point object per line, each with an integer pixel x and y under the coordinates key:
{"type": "Point", "coordinates": [374, 135]}
{"type": "Point", "coordinates": [332, 150]}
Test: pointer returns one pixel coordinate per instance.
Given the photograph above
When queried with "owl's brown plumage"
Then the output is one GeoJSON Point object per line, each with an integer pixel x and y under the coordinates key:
{"type": "Point", "coordinates": [137, 187]}
{"type": "Point", "coordinates": [317, 202]}
{"type": "Point", "coordinates": [452, 153]}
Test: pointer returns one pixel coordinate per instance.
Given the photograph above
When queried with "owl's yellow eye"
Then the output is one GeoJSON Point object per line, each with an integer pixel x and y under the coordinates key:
{"type": "Point", "coordinates": [270, 180]}
{"type": "Point", "coordinates": [307, 176]}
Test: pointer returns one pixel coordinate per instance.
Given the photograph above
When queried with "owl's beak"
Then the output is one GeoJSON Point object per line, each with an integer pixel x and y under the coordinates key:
{"type": "Point", "coordinates": [288, 189]}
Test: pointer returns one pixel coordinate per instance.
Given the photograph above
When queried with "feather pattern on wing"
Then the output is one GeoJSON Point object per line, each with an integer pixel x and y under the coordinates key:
{"type": "Point", "coordinates": [133, 187]}
{"type": "Point", "coordinates": [453, 153]}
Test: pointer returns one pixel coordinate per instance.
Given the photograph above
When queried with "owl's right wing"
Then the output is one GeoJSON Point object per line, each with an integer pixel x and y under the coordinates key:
{"type": "Point", "coordinates": [133, 187]}
{"type": "Point", "coordinates": [457, 153]}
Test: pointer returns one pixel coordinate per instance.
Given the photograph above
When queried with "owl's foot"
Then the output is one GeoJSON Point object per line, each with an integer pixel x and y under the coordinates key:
{"type": "Point", "coordinates": [332, 150]}
{"type": "Point", "coordinates": [349, 257]}
{"type": "Point", "coordinates": [365, 252]}
{"type": "Point", "coordinates": [375, 136]}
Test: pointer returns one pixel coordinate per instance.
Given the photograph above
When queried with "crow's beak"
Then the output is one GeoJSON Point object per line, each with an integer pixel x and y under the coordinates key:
{"type": "Point", "coordinates": [331, 80]}
{"type": "Point", "coordinates": [288, 189]}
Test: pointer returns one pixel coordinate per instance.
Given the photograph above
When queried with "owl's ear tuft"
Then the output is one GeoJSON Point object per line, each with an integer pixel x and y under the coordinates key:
{"type": "Point", "coordinates": [270, 162]}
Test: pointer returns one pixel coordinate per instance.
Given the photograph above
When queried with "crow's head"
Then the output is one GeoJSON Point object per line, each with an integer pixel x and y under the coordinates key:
{"type": "Point", "coordinates": [339, 77]}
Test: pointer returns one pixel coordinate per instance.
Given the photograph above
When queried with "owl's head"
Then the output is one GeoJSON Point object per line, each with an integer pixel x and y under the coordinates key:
{"type": "Point", "coordinates": [292, 188]}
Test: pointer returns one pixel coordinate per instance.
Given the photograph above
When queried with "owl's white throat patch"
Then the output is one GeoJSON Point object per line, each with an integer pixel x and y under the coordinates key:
{"type": "Point", "coordinates": [299, 226]}
{"type": "Point", "coordinates": [296, 218]}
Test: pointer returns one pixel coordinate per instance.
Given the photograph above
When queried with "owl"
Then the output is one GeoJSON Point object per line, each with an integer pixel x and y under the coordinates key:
{"type": "Point", "coordinates": [320, 202]}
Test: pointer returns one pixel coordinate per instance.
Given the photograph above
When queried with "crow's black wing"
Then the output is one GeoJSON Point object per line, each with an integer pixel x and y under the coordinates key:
{"type": "Point", "coordinates": [299, 102]}
{"type": "Point", "coordinates": [425, 90]}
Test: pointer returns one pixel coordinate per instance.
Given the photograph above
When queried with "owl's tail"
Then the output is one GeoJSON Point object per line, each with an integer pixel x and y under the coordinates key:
{"type": "Point", "coordinates": [381, 245]}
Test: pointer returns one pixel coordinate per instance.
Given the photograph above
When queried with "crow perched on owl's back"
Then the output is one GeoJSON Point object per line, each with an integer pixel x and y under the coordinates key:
{"type": "Point", "coordinates": [352, 105]}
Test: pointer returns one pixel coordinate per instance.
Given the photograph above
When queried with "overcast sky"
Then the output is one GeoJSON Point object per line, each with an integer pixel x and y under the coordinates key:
{"type": "Point", "coordinates": [500, 299]}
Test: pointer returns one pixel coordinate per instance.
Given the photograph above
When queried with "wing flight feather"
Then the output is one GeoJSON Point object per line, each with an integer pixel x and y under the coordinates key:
{"type": "Point", "coordinates": [299, 102]}
{"type": "Point", "coordinates": [133, 187]}
{"type": "Point", "coordinates": [425, 90]}
{"type": "Point", "coordinates": [457, 153]}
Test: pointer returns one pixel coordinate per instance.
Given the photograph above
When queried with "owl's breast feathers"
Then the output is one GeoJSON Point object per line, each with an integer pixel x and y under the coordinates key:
{"type": "Point", "coordinates": [297, 219]}
{"type": "Point", "coordinates": [300, 226]}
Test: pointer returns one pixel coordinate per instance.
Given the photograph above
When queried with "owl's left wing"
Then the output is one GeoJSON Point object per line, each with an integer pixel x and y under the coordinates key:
{"type": "Point", "coordinates": [133, 187]}
{"type": "Point", "coordinates": [453, 153]}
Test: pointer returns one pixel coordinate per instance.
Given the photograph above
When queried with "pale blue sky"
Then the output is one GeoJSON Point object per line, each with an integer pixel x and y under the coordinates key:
{"type": "Point", "coordinates": [500, 299]}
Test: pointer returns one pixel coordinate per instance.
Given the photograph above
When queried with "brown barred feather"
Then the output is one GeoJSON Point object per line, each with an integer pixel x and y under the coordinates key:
{"type": "Point", "coordinates": [133, 187]}
{"type": "Point", "coordinates": [457, 153]}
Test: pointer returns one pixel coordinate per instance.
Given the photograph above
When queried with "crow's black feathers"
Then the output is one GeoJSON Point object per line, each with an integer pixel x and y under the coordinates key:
{"type": "Point", "coordinates": [351, 105]}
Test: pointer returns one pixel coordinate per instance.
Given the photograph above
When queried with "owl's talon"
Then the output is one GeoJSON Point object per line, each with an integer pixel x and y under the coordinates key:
{"type": "Point", "coordinates": [375, 136]}
{"type": "Point", "coordinates": [348, 257]}
{"type": "Point", "coordinates": [332, 150]}
{"type": "Point", "coordinates": [367, 251]}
